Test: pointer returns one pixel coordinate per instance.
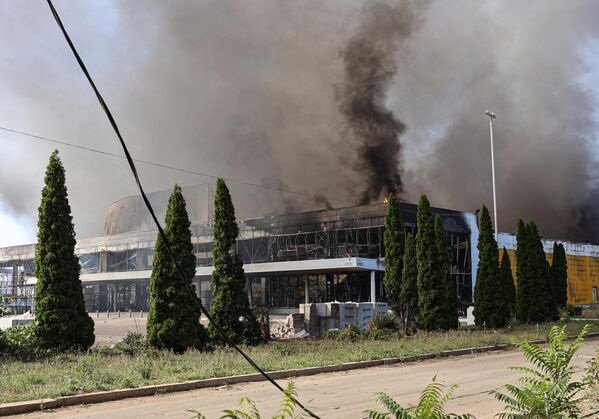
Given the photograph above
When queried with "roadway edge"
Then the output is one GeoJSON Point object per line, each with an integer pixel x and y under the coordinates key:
{"type": "Point", "coordinates": [152, 390]}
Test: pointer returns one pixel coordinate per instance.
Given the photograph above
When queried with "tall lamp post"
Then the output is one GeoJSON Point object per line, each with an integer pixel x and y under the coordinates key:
{"type": "Point", "coordinates": [492, 116]}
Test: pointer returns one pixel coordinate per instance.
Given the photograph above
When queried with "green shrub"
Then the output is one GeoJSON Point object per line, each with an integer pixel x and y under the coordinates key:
{"type": "Point", "coordinates": [351, 334]}
{"type": "Point", "coordinates": [384, 322]}
{"type": "Point", "coordinates": [546, 391]}
{"type": "Point", "coordinates": [230, 309]}
{"type": "Point", "coordinates": [132, 344]}
{"type": "Point", "coordinates": [173, 322]}
{"type": "Point", "coordinates": [383, 334]}
{"type": "Point", "coordinates": [247, 409]}
{"type": "Point", "coordinates": [430, 405]}
{"type": "Point", "coordinates": [21, 343]}
{"type": "Point", "coordinates": [3, 343]}
{"type": "Point", "coordinates": [385, 328]}
{"type": "Point", "coordinates": [61, 320]}
{"type": "Point", "coordinates": [332, 334]}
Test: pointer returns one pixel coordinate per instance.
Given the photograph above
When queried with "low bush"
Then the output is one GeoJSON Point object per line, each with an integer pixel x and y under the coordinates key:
{"type": "Point", "coordinates": [20, 343]}
{"type": "Point", "coordinates": [132, 344]}
{"type": "Point", "coordinates": [247, 409]}
{"type": "Point", "coordinates": [332, 334]}
{"type": "Point", "coordinates": [430, 405]}
{"type": "Point", "coordinates": [384, 334]}
{"type": "Point", "coordinates": [351, 334]}
{"type": "Point", "coordinates": [384, 322]}
{"type": "Point", "coordinates": [548, 389]}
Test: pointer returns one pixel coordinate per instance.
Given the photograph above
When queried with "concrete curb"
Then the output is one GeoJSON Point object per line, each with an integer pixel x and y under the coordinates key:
{"type": "Point", "coordinates": [113, 395]}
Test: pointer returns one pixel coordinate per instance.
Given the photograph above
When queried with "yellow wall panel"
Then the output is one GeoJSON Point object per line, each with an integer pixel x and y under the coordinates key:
{"type": "Point", "coordinates": [583, 275]}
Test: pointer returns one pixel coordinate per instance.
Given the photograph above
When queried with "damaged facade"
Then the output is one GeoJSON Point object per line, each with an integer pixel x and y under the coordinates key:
{"type": "Point", "coordinates": [310, 257]}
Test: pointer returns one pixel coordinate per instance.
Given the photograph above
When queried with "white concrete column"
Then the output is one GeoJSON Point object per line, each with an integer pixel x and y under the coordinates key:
{"type": "Point", "coordinates": [373, 286]}
{"type": "Point", "coordinates": [306, 290]}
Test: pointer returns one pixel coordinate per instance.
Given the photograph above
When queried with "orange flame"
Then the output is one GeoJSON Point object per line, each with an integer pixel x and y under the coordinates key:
{"type": "Point", "coordinates": [386, 200]}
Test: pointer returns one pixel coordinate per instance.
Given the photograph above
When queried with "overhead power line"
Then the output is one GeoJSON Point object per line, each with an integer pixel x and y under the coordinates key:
{"type": "Point", "coordinates": [160, 230]}
{"type": "Point", "coordinates": [174, 168]}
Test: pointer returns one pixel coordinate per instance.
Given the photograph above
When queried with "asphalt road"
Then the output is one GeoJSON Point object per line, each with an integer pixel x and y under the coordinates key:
{"type": "Point", "coordinates": [338, 395]}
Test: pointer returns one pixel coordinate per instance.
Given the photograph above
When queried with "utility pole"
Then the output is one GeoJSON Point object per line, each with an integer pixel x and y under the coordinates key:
{"type": "Point", "coordinates": [492, 116]}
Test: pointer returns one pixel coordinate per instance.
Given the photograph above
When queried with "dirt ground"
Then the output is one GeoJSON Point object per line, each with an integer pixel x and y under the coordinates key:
{"type": "Point", "coordinates": [111, 329]}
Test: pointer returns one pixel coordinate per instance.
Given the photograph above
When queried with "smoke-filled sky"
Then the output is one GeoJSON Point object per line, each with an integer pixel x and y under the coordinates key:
{"type": "Point", "coordinates": [344, 99]}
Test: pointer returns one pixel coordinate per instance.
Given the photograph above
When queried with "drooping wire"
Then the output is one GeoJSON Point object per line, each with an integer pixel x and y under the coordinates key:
{"type": "Point", "coordinates": [160, 230]}
{"type": "Point", "coordinates": [166, 166]}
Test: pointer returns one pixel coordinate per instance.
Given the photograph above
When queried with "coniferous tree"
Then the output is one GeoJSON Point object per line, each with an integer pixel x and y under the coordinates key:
{"type": "Point", "coordinates": [449, 293]}
{"type": "Point", "coordinates": [559, 275]}
{"type": "Point", "coordinates": [394, 239]}
{"type": "Point", "coordinates": [431, 290]}
{"type": "Point", "coordinates": [408, 296]}
{"type": "Point", "coordinates": [507, 280]}
{"type": "Point", "coordinates": [534, 296]}
{"type": "Point", "coordinates": [174, 317]}
{"type": "Point", "coordinates": [544, 306]}
{"type": "Point", "coordinates": [523, 289]}
{"type": "Point", "coordinates": [230, 308]}
{"type": "Point", "coordinates": [61, 319]}
{"type": "Point", "coordinates": [491, 306]}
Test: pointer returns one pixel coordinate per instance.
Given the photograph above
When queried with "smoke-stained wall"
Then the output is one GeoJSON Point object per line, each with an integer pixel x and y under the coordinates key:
{"type": "Point", "coordinates": [342, 99]}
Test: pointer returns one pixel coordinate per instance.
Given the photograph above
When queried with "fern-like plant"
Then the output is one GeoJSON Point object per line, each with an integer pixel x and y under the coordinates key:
{"type": "Point", "coordinates": [430, 405]}
{"type": "Point", "coordinates": [547, 389]}
{"type": "Point", "coordinates": [591, 377]}
{"type": "Point", "coordinates": [246, 408]}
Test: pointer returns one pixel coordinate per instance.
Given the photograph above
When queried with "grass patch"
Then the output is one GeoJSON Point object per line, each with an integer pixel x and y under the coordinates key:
{"type": "Point", "coordinates": [104, 369]}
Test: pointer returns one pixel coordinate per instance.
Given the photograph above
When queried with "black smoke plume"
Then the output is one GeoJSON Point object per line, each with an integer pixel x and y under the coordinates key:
{"type": "Point", "coordinates": [370, 65]}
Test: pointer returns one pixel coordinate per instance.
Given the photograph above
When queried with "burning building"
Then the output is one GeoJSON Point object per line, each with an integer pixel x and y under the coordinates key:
{"type": "Point", "coordinates": [315, 256]}
{"type": "Point", "coordinates": [290, 259]}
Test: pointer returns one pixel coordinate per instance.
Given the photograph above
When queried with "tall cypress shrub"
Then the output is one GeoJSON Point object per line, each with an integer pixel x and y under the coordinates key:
{"type": "Point", "coordinates": [61, 319]}
{"type": "Point", "coordinates": [430, 288]}
{"type": "Point", "coordinates": [559, 275]}
{"type": "Point", "coordinates": [408, 296]}
{"type": "Point", "coordinates": [450, 302]}
{"type": "Point", "coordinates": [491, 306]}
{"type": "Point", "coordinates": [544, 307]}
{"type": "Point", "coordinates": [393, 239]}
{"type": "Point", "coordinates": [230, 308]}
{"type": "Point", "coordinates": [535, 302]}
{"type": "Point", "coordinates": [524, 289]}
{"type": "Point", "coordinates": [507, 279]}
{"type": "Point", "coordinates": [174, 317]}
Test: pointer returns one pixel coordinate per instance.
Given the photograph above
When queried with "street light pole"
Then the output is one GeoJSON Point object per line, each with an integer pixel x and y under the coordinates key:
{"type": "Point", "coordinates": [492, 116]}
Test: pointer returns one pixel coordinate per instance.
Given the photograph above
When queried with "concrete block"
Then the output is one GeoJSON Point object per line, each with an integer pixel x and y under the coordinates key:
{"type": "Point", "coordinates": [311, 319]}
{"type": "Point", "coordinates": [365, 314]}
{"type": "Point", "coordinates": [347, 315]}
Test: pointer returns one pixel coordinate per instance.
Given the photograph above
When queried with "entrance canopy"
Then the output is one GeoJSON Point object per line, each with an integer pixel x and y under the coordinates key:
{"type": "Point", "coordinates": [296, 267]}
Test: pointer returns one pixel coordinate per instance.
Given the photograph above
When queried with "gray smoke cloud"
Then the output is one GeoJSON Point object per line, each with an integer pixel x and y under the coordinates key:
{"type": "Point", "coordinates": [532, 64]}
{"type": "Point", "coordinates": [312, 96]}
